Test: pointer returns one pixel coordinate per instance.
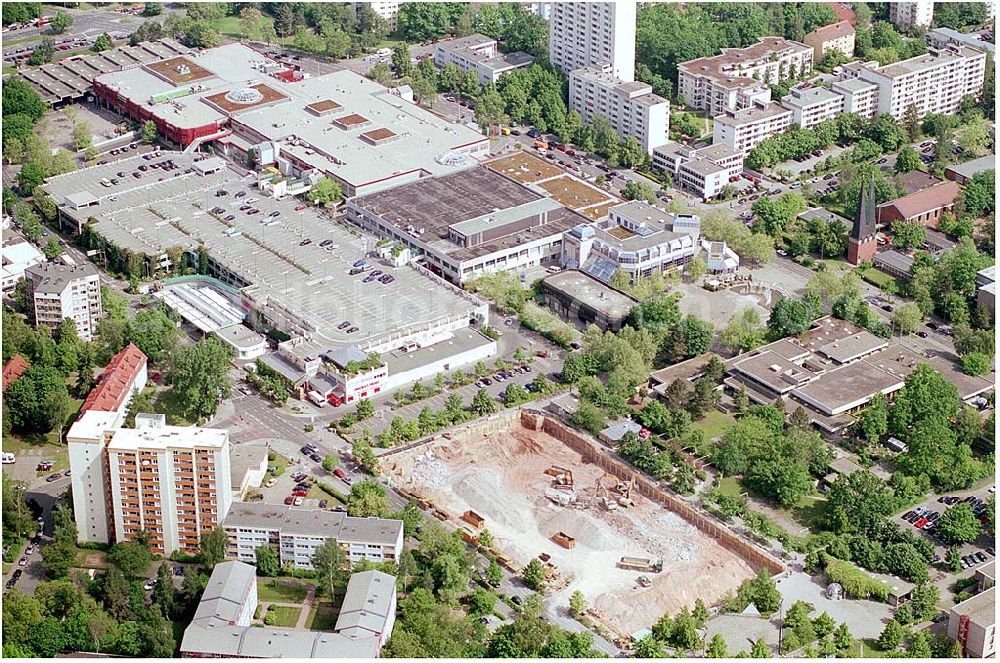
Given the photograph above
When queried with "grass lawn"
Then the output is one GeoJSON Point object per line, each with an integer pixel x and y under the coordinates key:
{"type": "Point", "coordinates": [164, 402]}
{"type": "Point", "coordinates": [867, 649]}
{"type": "Point", "coordinates": [715, 423]}
{"type": "Point", "coordinates": [322, 617]}
{"type": "Point", "coordinates": [282, 590]}
{"type": "Point", "coordinates": [230, 27]}
{"type": "Point", "coordinates": [730, 486]}
{"type": "Point", "coordinates": [280, 615]}
{"type": "Point", "coordinates": [280, 464]}
{"type": "Point", "coordinates": [877, 278]}
{"type": "Point", "coordinates": [810, 511]}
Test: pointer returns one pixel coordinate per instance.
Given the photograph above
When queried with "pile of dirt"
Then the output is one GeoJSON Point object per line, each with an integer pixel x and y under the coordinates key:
{"type": "Point", "coordinates": [583, 526]}
{"type": "Point", "coordinates": [480, 488]}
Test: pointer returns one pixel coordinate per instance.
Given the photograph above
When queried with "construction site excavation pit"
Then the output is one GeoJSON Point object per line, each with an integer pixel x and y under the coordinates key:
{"type": "Point", "coordinates": [632, 558]}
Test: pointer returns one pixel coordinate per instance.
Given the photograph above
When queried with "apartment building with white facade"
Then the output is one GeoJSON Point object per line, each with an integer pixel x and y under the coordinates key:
{"type": "Point", "coordinates": [738, 78]}
{"type": "Point", "coordinates": [745, 129]}
{"type": "Point", "coordinates": [17, 257]}
{"type": "Point", "coordinates": [910, 15]}
{"type": "Point", "coordinates": [59, 291]}
{"type": "Point", "coordinates": [933, 83]}
{"type": "Point", "coordinates": [812, 105]}
{"type": "Point", "coordinates": [702, 170]}
{"type": "Point", "coordinates": [860, 97]}
{"type": "Point", "coordinates": [630, 107]}
{"type": "Point", "coordinates": [585, 34]}
{"type": "Point", "coordinates": [480, 55]}
{"type": "Point", "coordinates": [173, 482]}
{"type": "Point", "coordinates": [296, 533]}
{"type": "Point", "coordinates": [637, 238]}
{"type": "Point", "coordinates": [387, 9]}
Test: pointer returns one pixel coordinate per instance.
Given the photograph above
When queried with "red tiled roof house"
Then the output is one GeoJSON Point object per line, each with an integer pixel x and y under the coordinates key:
{"type": "Point", "coordinates": [124, 376]}
{"type": "Point", "coordinates": [13, 369]}
{"type": "Point", "coordinates": [926, 205]}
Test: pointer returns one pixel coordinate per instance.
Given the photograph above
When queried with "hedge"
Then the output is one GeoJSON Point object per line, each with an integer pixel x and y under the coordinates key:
{"type": "Point", "coordinates": [856, 583]}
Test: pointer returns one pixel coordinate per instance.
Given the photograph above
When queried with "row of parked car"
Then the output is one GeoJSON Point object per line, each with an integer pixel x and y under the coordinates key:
{"type": "Point", "coordinates": [503, 376]}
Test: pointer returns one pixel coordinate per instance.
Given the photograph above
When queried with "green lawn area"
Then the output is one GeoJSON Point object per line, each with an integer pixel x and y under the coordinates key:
{"type": "Point", "coordinates": [730, 486]}
{"type": "Point", "coordinates": [280, 615]}
{"type": "Point", "coordinates": [810, 511]}
{"type": "Point", "coordinates": [230, 27]}
{"type": "Point", "coordinates": [715, 423]}
{"type": "Point", "coordinates": [867, 649]}
{"type": "Point", "coordinates": [876, 278]}
{"type": "Point", "coordinates": [322, 617]}
{"type": "Point", "coordinates": [280, 464]}
{"type": "Point", "coordinates": [281, 591]}
{"type": "Point", "coordinates": [164, 402]}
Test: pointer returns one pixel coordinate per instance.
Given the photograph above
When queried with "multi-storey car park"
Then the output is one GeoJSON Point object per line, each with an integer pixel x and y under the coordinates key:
{"type": "Point", "coordinates": [291, 266]}
{"type": "Point", "coordinates": [341, 125]}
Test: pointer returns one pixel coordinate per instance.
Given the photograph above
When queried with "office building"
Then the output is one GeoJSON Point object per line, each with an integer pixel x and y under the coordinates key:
{"type": "Point", "coordinates": [585, 34]}
{"type": "Point", "coordinates": [58, 292]}
{"type": "Point", "coordinates": [745, 129]}
{"type": "Point", "coordinates": [18, 257]}
{"type": "Point", "coordinates": [812, 105]}
{"type": "Point", "coordinates": [388, 10]}
{"type": "Point", "coordinates": [911, 15]}
{"type": "Point", "coordinates": [837, 36]}
{"type": "Point", "coordinates": [739, 77]}
{"type": "Point", "coordinates": [223, 624]}
{"type": "Point", "coordinates": [972, 623]}
{"type": "Point", "coordinates": [296, 533]}
{"type": "Point", "coordinates": [119, 382]}
{"type": "Point", "coordinates": [630, 106]}
{"type": "Point", "coordinates": [480, 55]}
{"type": "Point", "coordinates": [170, 481]}
{"type": "Point", "coordinates": [932, 83]}
{"type": "Point", "coordinates": [860, 97]}
{"type": "Point", "coordinates": [637, 238]}
{"type": "Point", "coordinates": [576, 295]}
{"type": "Point", "coordinates": [703, 170]}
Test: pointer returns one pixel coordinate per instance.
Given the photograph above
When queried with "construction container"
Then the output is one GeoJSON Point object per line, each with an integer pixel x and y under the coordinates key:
{"type": "Point", "coordinates": [474, 519]}
{"type": "Point", "coordinates": [644, 564]}
{"type": "Point", "coordinates": [564, 540]}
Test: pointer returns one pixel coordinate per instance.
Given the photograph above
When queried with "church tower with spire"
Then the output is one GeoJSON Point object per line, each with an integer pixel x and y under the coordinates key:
{"type": "Point", "coordinates": [861, 244]}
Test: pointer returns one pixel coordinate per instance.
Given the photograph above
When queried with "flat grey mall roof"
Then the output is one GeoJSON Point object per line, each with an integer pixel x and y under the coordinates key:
{"type": "Point", "coordinates": [589, 291]}
{"type": "Point", "coordinates": [150, 216]}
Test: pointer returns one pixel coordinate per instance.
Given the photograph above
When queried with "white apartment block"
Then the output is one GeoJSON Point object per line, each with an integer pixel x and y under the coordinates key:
{"type": "Point", "coordinates": [812, 105]}
{"type": "Point", "coordinates": [745, 129]}
{"type": "Point", "coordinates": [584, 34]}
{"type": "Point", "coordinates": [479, 54]}
{"type": "Point", "coordinates": [860, 97]}
{"type": "Point", "coordinates": [296, 534]}
{"type": "Point", "coordinates": [933, 83]}
{"type": "Point", "coordinates": [387, 9]}
{"type": "Point", "coordinates": [171, 481]}
{"type": "Point", "coordinates": [910, 15]}
{"type": "Point", "coordinates": [738, 78]}
{"type": "Point", "coordinates": [704, 170]}
{"type": "Point", "coordinates": [630, 107]}
{"type": "Point", "coordinates": [543, 9]}
{"type": "Point", "coordinates": [59, 291]}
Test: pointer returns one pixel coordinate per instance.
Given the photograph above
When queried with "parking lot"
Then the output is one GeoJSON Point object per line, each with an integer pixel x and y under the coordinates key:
{"type": "Point", "coordinates": [927, 512]}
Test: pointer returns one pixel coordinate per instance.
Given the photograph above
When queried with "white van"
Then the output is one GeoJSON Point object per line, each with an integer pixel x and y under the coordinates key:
{"type": "Point", "coordinates": [8, 458]}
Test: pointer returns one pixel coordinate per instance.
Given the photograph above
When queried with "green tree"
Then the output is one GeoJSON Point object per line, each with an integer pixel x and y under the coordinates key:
{"type": "Point", "coordinates": [494, 574]}
{"type": "Point", "coordinates": [325, 191]}
{"type": "Point", "coordinates": [20, 98]}
{"type": "Point", "coordinates": [484, 404]}
{"type": "Point", "coordinates": [30, 176]}
{"type": "Point", "coordinates": [368, 499]}
{"type": "Point", "coordinates": [907, 234]}
{"type": "Point", "coordinates": [102, 43]}
{"type": "Point", "coordinates": [212, 547]}
{"type": "Point", "coordinates": [953, 559]}
{"type": "Point", "coordinates": [38, 401]}
{"type": "Point", "coordinates": [577, 604]}
{"type": "Point", "coordinates": [649, 647]}
{"type": "Point", "coordinates": [906, 318]}
{"type": "Point", "coordinates": [328, 560]}
{"type": "Point", "coordinates": [959, 524]}
{"type": "Point", "coordinates": [267, 561]}
{"type": "Point", "coordinates": [198, 375]}
{"type": "Point", "coordinates": [164, 595]}
{"type": "Point", "coordinates": [60, 23]}
{"type": "Point", "coordinates": [976, 363]}
{"type": "Point", "coordinates": [638, 191]}
{"type": "Point", "coordinates": [149, 132]}
{"type": "Point", "coordinates": [907, 160]}
{"type": "Point", "coordinates": [132, 558]}
{"type": "Point", "coordinates": [891, 637]}
{"type": "Point", "coordinates": [534, 575]}
{"type": "Point", "coordinates": [759, 649]}
{"type": "Point", "coordinates": [717, 647]}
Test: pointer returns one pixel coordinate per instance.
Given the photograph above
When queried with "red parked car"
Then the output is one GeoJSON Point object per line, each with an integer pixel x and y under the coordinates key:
{"type": "Point", "coordinates": [338, 472]}
{"type": "Point", "coordinates": [289, 500]}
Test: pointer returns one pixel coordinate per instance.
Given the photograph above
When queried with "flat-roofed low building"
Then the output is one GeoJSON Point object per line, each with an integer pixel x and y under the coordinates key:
{"type": "Point", "coordinates": [893, 263]}
{"type": "Point", "coordinates": [576, 295]}
{"type": "Point", "coordinates": [963, 172]}
{"type": "Point", "coordinates": [745, 129]}
{"type": "Point", "coordinates": [972, 623]}
{"type": "Point", "coordinates": [479, 54]}
{"type": "Point", "coordinates": [812, 105]}
{"type": "Point", "coordinates": [17, 257]}
{"type": "Point", "coordinates": [296, 533]}
{"type": "Point", "coordinates": [941, 37]}
{"type": "Point", "coordinates": [637, 238]}
{"type": "Point", "coordinates": [209, 309]}
{"type": "Point", "coordinates": [469, 224]}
